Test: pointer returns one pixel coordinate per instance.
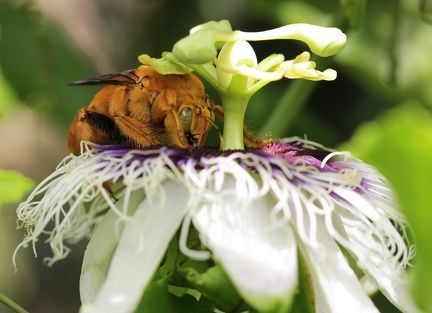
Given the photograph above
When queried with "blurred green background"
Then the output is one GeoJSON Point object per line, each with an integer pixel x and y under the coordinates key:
{"type": "Point", "coordinates": [379, 107]}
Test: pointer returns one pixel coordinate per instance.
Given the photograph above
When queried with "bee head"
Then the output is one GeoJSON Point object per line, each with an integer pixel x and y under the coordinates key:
{"type": "Point", "coordinates": [196, 120]}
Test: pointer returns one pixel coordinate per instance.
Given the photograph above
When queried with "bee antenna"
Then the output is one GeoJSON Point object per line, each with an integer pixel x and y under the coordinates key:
{"type": "Point", "coordinates": [218, 131]}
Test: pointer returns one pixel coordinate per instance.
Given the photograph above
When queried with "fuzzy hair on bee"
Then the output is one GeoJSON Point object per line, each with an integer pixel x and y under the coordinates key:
{"type": "Point", "coordinates": [141, 108]}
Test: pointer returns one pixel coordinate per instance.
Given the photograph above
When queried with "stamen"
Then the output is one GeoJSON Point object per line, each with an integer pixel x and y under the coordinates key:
{"type": "Point", "coordinates": [331, 155]}
{"type": "Point", "coordinates": [193, 254]}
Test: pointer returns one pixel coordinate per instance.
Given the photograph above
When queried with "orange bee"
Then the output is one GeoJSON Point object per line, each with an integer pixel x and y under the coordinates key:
{"type": "Point", "coordinates": [141, 108]}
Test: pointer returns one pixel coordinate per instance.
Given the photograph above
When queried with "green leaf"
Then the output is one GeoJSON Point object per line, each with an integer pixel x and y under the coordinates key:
{"type": "Point", "coordinates": [400, 145]}
{"type": "Point", "coordinates": [304, 301]}
{"type": "Point", "coordinates": [163, 65]}
{"type": "Point", "coordinates": [215, 286]}
{"type": "Point", "coordinates": [157, 299]}
{"type": "Point", "coordinates": [13, 186]}
{"type": "Point", "coordinates": [201, 45]}
{"type": "Point", "coordinates": [354, 11]}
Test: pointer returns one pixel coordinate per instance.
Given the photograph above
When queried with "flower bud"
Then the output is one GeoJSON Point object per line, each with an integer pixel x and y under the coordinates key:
{"type": "Point", "coordinates": [235, 53]}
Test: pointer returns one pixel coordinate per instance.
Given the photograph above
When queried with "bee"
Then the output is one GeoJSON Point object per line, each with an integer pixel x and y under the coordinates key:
{"type": "Point", "coordinates": [141, 108]}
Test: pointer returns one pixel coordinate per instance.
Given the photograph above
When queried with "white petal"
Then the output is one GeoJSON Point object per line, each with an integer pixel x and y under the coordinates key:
{"type": "Point", "coordinates": [101, 248]}
{"type": "Point", "coordinates": [141, 248]}
{"type": "Point", "coordinates": [337, 288]}
{"type": "Point", "coordinates": [260, 259]}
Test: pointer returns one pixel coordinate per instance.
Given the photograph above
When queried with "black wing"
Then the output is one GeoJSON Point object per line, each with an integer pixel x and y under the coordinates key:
{"type": "Point", "coordinates": [124, 78]}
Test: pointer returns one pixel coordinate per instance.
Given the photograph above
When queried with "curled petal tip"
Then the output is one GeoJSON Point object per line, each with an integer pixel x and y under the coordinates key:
{"type": "Point", "coordinates": [334, 46]}
{"type": "Point", "coordinates": [323, 41]}
{"type": "Point", "coordinates": [329, 74]}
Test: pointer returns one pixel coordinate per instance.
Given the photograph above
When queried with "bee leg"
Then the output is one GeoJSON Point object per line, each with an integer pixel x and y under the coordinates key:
{"type": "Point", "coordinates": [163, 104]}
{"type": "Point", "coordinates": [137, 133]}
{"type": "Point", "coordinates": [175, 128]}
{"type": "Point", "coordinates": [221, 142]}
{"type": "Point", "coordinates": [248, 137]}
{"type": "Point", "coordinates": [219, 112]}
{"type": "Point", "coordinates": [163, 112]}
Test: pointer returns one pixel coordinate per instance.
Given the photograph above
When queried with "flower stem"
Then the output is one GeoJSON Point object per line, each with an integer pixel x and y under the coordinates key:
{"type": "Point", "coordinates": [234, 112]}
{"type": "Point", "coordinates": [11, 304]}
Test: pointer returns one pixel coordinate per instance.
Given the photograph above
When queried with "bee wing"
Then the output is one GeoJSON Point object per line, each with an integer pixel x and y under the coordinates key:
{"type": "Point", "coordinates": [101, 122]}
{"type": "Point", "coordinates": [93, 126]}
{"type": "Point", "coordinates": [124, 78]}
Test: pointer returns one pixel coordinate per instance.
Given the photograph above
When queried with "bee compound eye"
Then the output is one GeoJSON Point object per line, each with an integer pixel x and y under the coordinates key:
{"type": "Point", "coordinates": [186, 116]}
